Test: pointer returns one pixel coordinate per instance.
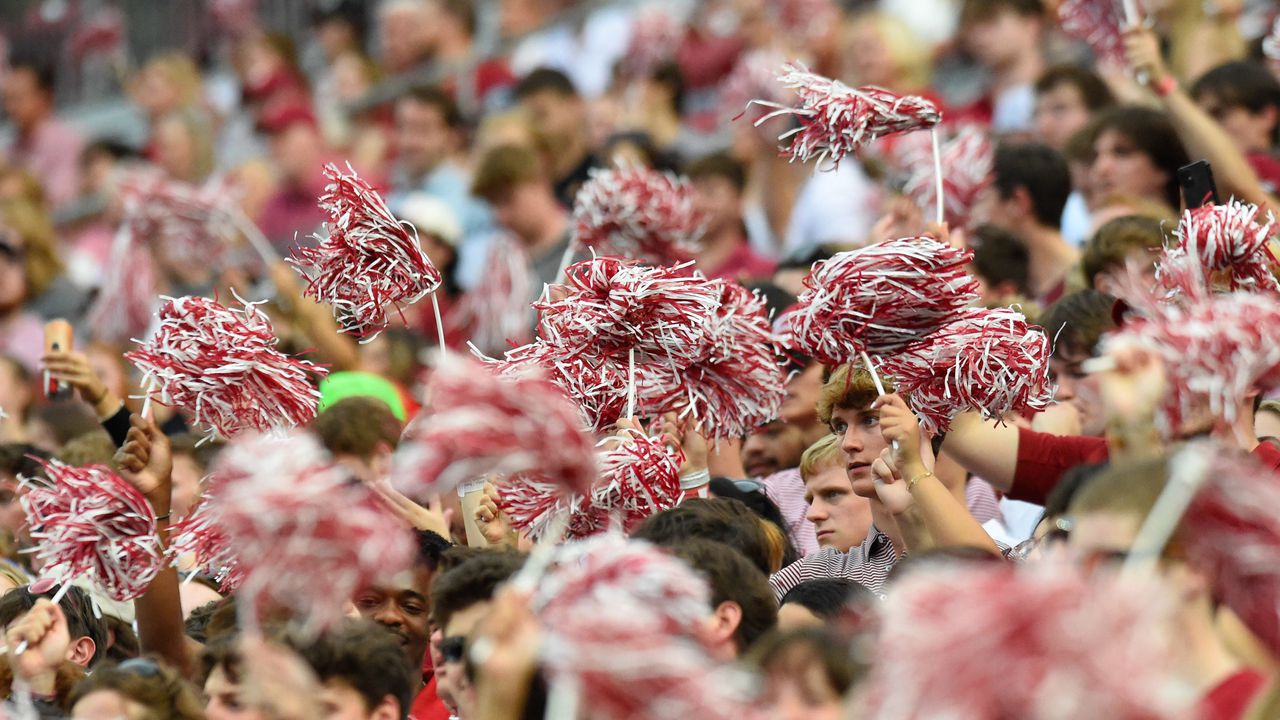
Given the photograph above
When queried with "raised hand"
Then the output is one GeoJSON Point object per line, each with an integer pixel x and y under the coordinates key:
{"type": "Point", "coordinates": [146, 462]}
{"type": "Point", "coordinates": [43, 630]}
{"type": "Point", "coordinates": [899, 425]}
{"type": "Point", "coordinates": [74, 369]}
{"type": "Point", "coordinates": [492, 521]}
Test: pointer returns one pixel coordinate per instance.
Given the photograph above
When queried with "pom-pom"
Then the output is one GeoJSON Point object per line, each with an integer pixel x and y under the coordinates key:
{"type": "Point", "coordinates": [655, 39]}
{"type": "Point", "coordinates": [621, 621]}
{"type": "Point", "coordinates": [496, 312]}
{"type": "Point", "coordinates": [1232, 534]}
{"type": "Point", "coordinates": [126, 300]}
{"type": "Point", "coordinates": [880, 299]}
{"type": "Point", "coordinates": [614, 306]}
{"type": "Point", "coordinates": [1228, 239]}
{"type": "Point", "coordinates": [369, 263]}
{"type": "Point", "coordinates": [639, 477]}
{"type": "Point", "coordinates": [221, 366]}
{"type": "Point", "coordinates": [475, 423]}
{"type": "Point", "coordinates": [304, 535]}
{"type": "Point", "coordinates": [637, 213]}
{"type": "Point", "coordinates": [987, 360]}
{"type": "Point", "coordinates": [184, 224]}
{"type": "Point", "coordinates": [90, 521]}
{"type": "Point", "coordinates": [753, 77]}
{"type": "Point", "coordinates": [1097, 23]}
{"type": "Point", "coordinates": [1215, 350]}
{"type": "Point", "coordinates": [967, 161]}
{"type": "Point", "coordinates": [836, 120]}
{"type": "Point", "coordinates": [737, 385]}
{"type": "Point", "coordinates": [200, 536]}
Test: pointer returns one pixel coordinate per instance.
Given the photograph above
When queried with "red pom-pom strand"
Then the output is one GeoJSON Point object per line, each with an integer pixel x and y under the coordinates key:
{"type": "Point", "coordinates": [637, 213]}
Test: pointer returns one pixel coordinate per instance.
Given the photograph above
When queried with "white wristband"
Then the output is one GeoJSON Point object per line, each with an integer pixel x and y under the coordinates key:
{"type": "Point", "coordinates": [695, 479]}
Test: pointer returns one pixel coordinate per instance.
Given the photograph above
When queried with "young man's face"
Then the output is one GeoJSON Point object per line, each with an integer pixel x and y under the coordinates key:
{"type": "Point", "coordinates": [423, 138]}
{"type": "Point", "coordinates": [453, 683]}
{"type": "Point", "coordinates": [773, 448]}
{"type": "Point", "coordinates": [519, 210]}
{"type": "Point", "coordinates": [718, 201]}
{"type": "Point", "coordinates": [1119, 167]}
{"type": "Point", "coordinates": [1102, 538]}
{"type": "Point", "coordinates": [1079, 390]}
{"type": "Point", "coordinates": [1060, 113]}
{"type": "Point", "coordinates": [840, 518]}
{"type": "Point", "coordinates": [558, 118]}
{"type": "Point", "coordinates": [861, 443]}
{"type": "Point", "coordinates": [340, 701]}
{"type": "Point", "coordinates": [402, 608]}
{"type": "Point", "coordinates": [1250, 130]}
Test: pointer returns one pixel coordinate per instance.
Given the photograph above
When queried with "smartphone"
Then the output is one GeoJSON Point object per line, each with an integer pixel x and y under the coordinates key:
{"type": "Point", "coordinates": [1198, 188]}
{"type": "Point", "coordinates": [57, 337]}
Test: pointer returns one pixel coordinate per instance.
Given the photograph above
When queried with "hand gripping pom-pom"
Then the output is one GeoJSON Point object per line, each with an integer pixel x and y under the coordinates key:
{"type": "Point", "coordinates": [621, 621]}
{"type": "Point", "coordinates": [639, 477]}
{"type": "Point", "coordinates": [987, 360]}
{"type": "Point", "coordinates": [1232, 534]}
{"type": "Point", "coordinates": [1215, 350]}
{"type": "Point", "coordinates": [199, 535]}
{"type": "Point", "coordinates": [222, 368]}
{"type": "Point", "coordinates": [836, 120]}
{"type": "Point", "coordinates": [89, 521]}
{"type": "Point", "coordinates": [880, 299]}
{"type": "Point", "coordinates": [1038, 643]}
{"type": "Point", "coordinates": [1228, 239]}
{"type": "Point", "coordinates": [304, 536]}
{"type": "Point", "coordinates": [1099, 24]}
{"type": "Point", "coordinates": [637, 213]}
{"type": "Point", "coordinates": [967, 160]}
{"type": "Point", "coordinates": [370, 262]}
{"type": "Point", "coordinates": [475, 423]}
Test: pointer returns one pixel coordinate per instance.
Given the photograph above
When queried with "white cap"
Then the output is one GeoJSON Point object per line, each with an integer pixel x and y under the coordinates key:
{"type": "Point", "coordinates": [430, 214]}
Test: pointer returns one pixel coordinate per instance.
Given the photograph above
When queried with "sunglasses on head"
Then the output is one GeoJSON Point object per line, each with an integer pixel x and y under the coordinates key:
{"type": "Point", "coordinates": [453, 648]}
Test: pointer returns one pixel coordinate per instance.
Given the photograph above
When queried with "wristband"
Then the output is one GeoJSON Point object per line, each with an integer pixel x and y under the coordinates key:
{"type": "Point", "coordinates": [1166, 86]}
{"type": "Point", "coordinates": [695, 479]}
{"type": "Point", "coordinates": [911, 484]}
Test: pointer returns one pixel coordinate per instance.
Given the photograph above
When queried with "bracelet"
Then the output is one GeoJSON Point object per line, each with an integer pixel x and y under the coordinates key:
{"type": "Point", "coordinates": [911, 484]}
{"type": "Point", "coordinates": [695, 479]}
{"type": "Point", "coordinates": [1166, 86]}
{"type": "Point", "coordinates": [164, 516]}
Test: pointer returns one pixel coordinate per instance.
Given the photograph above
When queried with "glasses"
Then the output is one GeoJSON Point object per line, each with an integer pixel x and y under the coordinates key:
{"type": "Point", "coordinates": [749, 486]}
{"type": "Point", "coordinates": [453, 648]}
{"type": "Point", "coordinates": [1059, 531]}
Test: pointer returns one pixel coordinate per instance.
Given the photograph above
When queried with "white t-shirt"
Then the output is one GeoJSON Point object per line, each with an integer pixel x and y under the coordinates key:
{"type": "Point", "coordinates": [836, 205]}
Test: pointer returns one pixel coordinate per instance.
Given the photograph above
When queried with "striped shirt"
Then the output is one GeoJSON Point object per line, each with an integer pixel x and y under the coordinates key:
{"type": "Point", "coordinates": [786, 490]}
{"type": "Point", "coordinates": [984, 504]}
{"type": "Point", "coordinates": [868, 565]}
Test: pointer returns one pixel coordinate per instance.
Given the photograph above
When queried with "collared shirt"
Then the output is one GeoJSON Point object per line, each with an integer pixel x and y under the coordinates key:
{"type": "Point", "coordinates": [786, 489]}
{"type": "Point", "coordinates": [868, 565]}
{"type": "Point", "coordinates": [51, 153]}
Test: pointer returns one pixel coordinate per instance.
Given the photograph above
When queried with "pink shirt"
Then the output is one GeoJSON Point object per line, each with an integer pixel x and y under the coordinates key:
{"type": "Point", "coordinates": [51, 153]}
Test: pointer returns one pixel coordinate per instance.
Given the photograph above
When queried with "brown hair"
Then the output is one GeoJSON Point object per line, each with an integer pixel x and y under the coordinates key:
{"type": "Point", "coordinates": [91, 448]}
{"type": "Point", "coordinates": [504, 168]}
{"type": "Point", "coordinates": [733, 578]}
{"type": "Point", "coordinates": [164, 693]}
{"type": "Point", "coordinates": [35, 228]}
{"type": "Point", "coordinates": [356, 425]}
{"type": "Point", "coordinates": [850, 387]}
{"type": "Point", "coordinates": [1118, 239]}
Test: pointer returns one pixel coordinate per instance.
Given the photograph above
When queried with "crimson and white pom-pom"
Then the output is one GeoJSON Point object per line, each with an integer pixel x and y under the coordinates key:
{"type": "Point", "coordinates": [305, 536]}
{"type": "Point", "coordinates": [126, 300]}
{"type": "Point", "coordinates": [186, 225]}
{"type": "Point", "coordinates": [983, 641]}
{"type": "Point", "coordinates": [655, 39]}
{"type": "Point", "coordinates": [597, 385]}
{"type": "Point", "coordinates": [370, 262]}
{"type": "Point", "coordinates": [621, 624]}
{"type": "Point", "coordinates": [89, 521]}
{"type": "Point", "coordinates": [637, 213]}
{"type": "Point", "coordinates": [738, 384]}
{"type": "Point", "coordinates": [1232, 535]}
{"type": "Point", "coordinates": [880, 298]}
{"type": "Point", "coordinates": [200, 536]}
{"type": "Point", "coordinates": [221, 366]}
{"type": "Point", "coordinates": [496, 312]}
{"type": "Point", "coordinates": [1228, 238]}
{"type": "Point", "coordinates": [475, 423]}
{"type": "Point", "coordinates": [967, 160]}
{"type": "Point", "coordinates": [836, 120]}
{"type": "Point", "coordinates": [1215, 351]}
{"type": "Point", "coordinates": [987, 360]}
{"type": "Point", "coordinates": [1271, 44]}
{"type": "Point", "coordinates": [615, 305]}
{"type": "Point", "coordinates": [753, 77]}
{"type": "Point", "coordinates": [1099, 24]}
{"type": "Point", "coordinates": [639, 477]}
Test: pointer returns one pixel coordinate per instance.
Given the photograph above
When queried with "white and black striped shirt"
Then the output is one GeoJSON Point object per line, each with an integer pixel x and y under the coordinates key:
{"type": "Point", "coordinates": [868, 565]}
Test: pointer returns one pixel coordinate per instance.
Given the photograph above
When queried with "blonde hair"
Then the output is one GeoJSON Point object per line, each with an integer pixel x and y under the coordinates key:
{"type": "Point", "coordinates": [182, 72]}
{"type": "Point", "coordinates": [912, 57]}
{"type": "Point", "coordinates": [819, 456]}
{"type": "Point", "coordinates": [33, 225]}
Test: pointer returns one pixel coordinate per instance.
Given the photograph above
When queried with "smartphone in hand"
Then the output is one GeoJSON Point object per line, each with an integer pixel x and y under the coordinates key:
{"type": "Point", "coordinates": [57, 337]}
{"type": "Point", "coordinates": [1198, 188]}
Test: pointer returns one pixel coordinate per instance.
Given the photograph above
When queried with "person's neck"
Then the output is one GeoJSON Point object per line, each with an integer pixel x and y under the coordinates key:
{"type": "Point", "coordinates": [550, 232]}
{"type": "Point", "coordinates": [1022, 70]}
{"type": "Point", "coordinates": [885, 522]}
{"type": "Point", "coordinates": [569, 155]}
{"type": "Point", "coordinates": [1049, 259]}
{"type": "Point", "coordinates": [1206, 661]}
{"type": "Point", "coordinates": [717, 248]}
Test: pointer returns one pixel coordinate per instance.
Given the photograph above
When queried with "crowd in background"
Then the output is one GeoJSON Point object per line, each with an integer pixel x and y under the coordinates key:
{"type": "Point", "coordinates": [479, 122]}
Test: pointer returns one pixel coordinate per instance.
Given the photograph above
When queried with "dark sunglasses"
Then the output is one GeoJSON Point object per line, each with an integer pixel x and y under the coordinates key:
{"type": "Point", "coordinates": [142, 667]}
{"type": "Point", "coordinates": [453, 648]}
{"type": "Point", "coordinates": [749, 486]}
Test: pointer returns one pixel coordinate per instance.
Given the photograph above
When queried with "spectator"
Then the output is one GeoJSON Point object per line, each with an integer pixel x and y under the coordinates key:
{"type": "Point", "coordinates": [362, 672]}
{"type": "Point", "coordinates": [29, 266]}
{"type": "Point", "coordinates": [300, 155]}
{"type": "Point", "coordinates": [1077, 323]}
{"type": "Point", "coordinates": [804, 675]}
{"type": "Point", "coordinates": [742, 608]}
{"type": "Point", "coordinates": [1067, 97]}
{"type": "Point", "coordinates": [360, 433]}
{"type": "Point", "coordinates": [43, 145]}
{"type": "Point", "coordinates": [838, 517]}
{"type": "Point", "coordinates": [718, 183]}
{"type": "Point", "coordinates": [815, 603]}
{"type": "Point", "coordinates": [1244, 98]}
{"type": "Point", "coordinates": [882, 50]}
{"type": "Point", "coordinates": [136, 688]}
{"type": "Point", "coordinates": [558, 115]}
{"type": "Point", "coordinates": [1000, 264]}
{"type": "Point", "coordinates": [404, 35]}
{"type": "Point", "coordinates": [1128, 241]}
{"type": "Point", "coordinates": [1134, 150]}
{"type": "Point", "coordinates": [1029, 189]}
{"type": "Point", "coordinates": [484, 86]}
{"type": "Point", "coordinates": [513, 181]}
{"type": "Point", "coordinates": [1006, 38]}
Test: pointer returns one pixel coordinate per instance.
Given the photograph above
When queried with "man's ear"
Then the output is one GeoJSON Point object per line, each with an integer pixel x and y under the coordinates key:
{"type": "Point", "coordinates": [82, 651]}
{"type": "Point", "coordinates": [725, 620]}
{"type": "Point", "coordinates": [1021, 198]}
{"type": "Point", "coordinates": [388, 709]}
{"type": "Point", "coordinates": [380, 460]}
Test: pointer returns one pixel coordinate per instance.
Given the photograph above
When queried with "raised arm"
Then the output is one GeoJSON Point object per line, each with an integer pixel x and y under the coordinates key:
{"type": "Point", "coordinates": [145, 461]}
{"type": "Point", "coordinates": [984, 448]}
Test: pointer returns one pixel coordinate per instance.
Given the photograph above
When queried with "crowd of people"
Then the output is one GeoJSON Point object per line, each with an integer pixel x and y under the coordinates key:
{"type": "Point", "coordinates": [804, 531]}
